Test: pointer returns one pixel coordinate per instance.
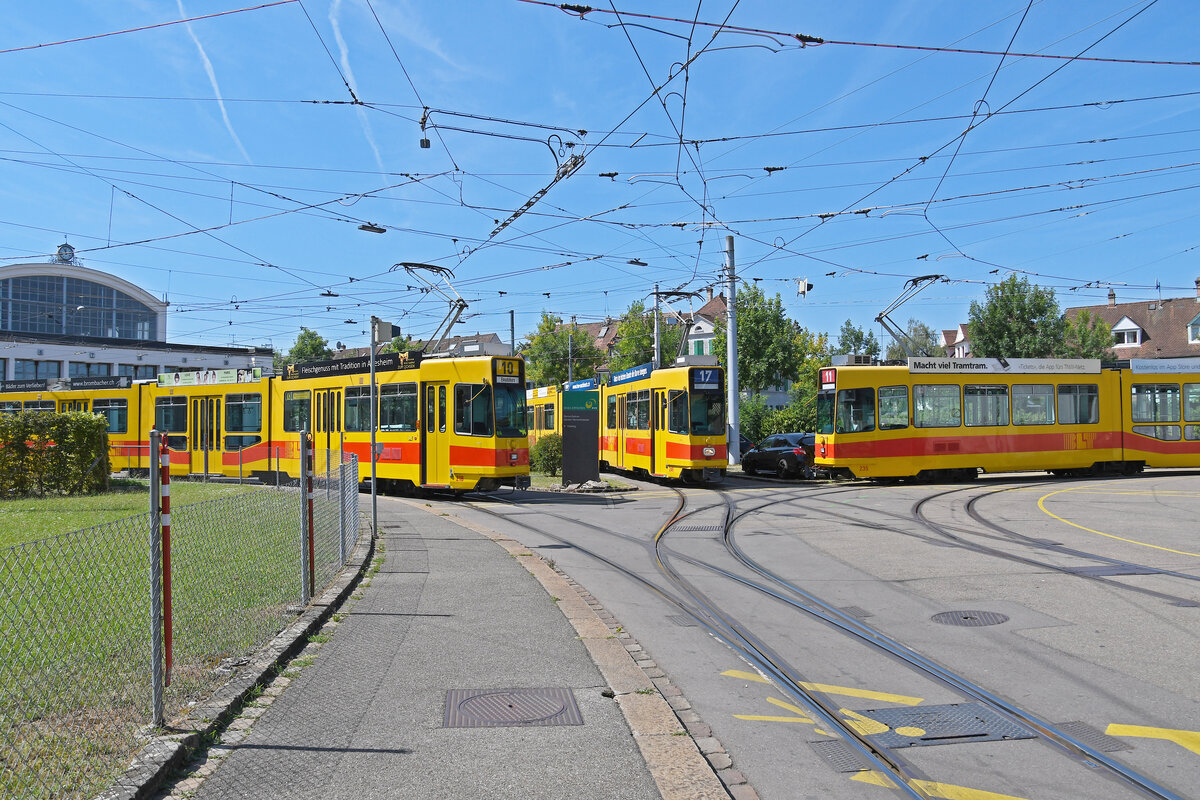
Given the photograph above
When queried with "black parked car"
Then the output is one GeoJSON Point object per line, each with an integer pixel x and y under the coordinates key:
{"type": "Point", "coordinates": [784, 454]}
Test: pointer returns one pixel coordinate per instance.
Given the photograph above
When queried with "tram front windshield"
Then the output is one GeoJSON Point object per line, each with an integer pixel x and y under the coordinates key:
{"type": "Point", "coordinates": [708, 413]}
{"type": "Point", "coordinates": [510, 411]}
{"type": "Point", "coordinates": [825, 411]}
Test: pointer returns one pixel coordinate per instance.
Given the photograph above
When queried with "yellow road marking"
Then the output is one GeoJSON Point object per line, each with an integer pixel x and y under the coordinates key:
{"type": "Point", "coordinates": [863, 725]}
{"type": "Point", "coordinates": [1042, 505]}
{"type": "Point", "coordinates": [843, 691]}
{"type": "Point", "coordinates": [1187, 739]}
{"type": "Point", "coordinates": [934, 789]}
{"type": "Point", "coordinates": [801, 716]}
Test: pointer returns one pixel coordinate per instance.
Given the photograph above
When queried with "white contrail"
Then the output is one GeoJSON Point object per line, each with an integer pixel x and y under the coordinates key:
{"type": "Point", "coordinates": [345, 58]}
{"type": "Point", "coordinates": [212, 78]}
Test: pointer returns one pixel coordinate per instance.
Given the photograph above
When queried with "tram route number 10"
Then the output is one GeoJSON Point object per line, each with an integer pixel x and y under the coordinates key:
{"type": "Point", "coordinates": [508, 371]}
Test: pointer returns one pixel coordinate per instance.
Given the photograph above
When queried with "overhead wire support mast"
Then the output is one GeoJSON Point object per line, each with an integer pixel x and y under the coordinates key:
{"type": "Point", "coordinates": [457, 304]}
{"type": "Point", "coordinates": [912, 287]}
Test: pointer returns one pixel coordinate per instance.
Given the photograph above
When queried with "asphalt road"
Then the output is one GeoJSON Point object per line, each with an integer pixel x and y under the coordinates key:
{"type": "Point", "coordinates": [1076, 602]}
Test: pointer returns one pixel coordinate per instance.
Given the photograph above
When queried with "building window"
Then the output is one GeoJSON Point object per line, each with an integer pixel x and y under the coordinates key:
{"type": "Point", "coordinates": [88, 369]}
{"type": "Point", "coordinates": [699, 348]}
{"type": "Point", "coordinates": [27, 370]}
{"type": "Point", "coordinates": [139, 372]}
{"type": "Point", "coordinates": [1130, 338]}
{"type": "Point", "coordinates": [1194, 331]}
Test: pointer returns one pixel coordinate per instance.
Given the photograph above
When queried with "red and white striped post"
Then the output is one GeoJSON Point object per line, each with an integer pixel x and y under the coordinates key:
{"type": "Point", "coordinates": [165, 467]}
{"type": "Point", "coordinates": [309, 466]}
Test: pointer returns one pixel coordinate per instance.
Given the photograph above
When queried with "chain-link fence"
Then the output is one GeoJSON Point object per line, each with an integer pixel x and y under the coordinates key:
{"type": "Point", "coordinates": [76, 672]}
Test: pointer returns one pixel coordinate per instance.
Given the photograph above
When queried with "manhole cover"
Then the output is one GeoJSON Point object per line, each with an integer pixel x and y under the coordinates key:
{"type": "Point", "coordinates": [1092, 737]}
{"type": "Point", "coordinates": [957, 723]}
{"type": "Point", "coordinates": [841, 756]}
{"type": "Point", "coordinates": [495, 708]}
{"type": "Point", "coordinates": [969, 619]}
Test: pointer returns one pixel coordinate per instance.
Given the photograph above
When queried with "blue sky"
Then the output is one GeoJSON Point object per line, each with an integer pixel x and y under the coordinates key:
{"type": "Point", "coordinates": [226, 165]}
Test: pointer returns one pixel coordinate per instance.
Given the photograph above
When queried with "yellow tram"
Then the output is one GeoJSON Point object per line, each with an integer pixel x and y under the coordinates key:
{"type": "Point", "coordinates": [937, 418]}
{"type": "Point", "coordinates": [447, 423]}
{"type": "Point", "coordinates": [666, 423]}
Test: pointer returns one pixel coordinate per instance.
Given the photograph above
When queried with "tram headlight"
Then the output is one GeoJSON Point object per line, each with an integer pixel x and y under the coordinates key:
{"type": "Point", "coordinates": [710, 451]}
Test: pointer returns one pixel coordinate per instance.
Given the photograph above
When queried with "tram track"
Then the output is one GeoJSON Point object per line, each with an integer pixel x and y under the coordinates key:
{"type": "Point", "coordinates": [684, 594]}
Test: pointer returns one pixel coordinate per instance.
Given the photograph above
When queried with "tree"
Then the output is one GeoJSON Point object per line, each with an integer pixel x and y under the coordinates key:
{"type": "Point", "coordinates": [853, 340]}
{"type": "Point", "coordinates": [1085, 335]}
{"type": "Point", "coordinates": [552, 346]}
{"type": "Point", "coordinates": [922, 339]}
{"type": "Point", "coordinates": [309, 346]}
{"type": "Point", "coordinates": [815, 354]}
{"type": "Point", "coordinates": [398, 344]}
{"type": "Point", "coordinates": [1016, 320]}
{"type": "Point", "coordinates": [768, 353]}
{"type": "Point", "coordinates": [634, 342]}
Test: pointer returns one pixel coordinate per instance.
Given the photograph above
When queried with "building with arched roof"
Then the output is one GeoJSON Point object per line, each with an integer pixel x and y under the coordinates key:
{"type": "Point", "coordinates": [60, 320]}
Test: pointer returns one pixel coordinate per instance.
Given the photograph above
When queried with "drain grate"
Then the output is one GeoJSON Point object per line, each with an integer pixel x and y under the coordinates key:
{"type": "Point", "coordinates": [1112, 570]}
{"type": "Point", "coordinates": [498, 708]}
{"type": "Point", "coordinates": [841, 756]}
{"type": "Point", "coordinates": [957, 723]}
{"type": "Point", "coordinates": [969, 619]}
{"type": "Point", "coordinates": [1093, 738]}
{"type": "Point", "coordinates": [856, 611]}
{"type": "Point", "coordinates": [682, 620]}
{"type": "Point", "coordinates": [697, 528]}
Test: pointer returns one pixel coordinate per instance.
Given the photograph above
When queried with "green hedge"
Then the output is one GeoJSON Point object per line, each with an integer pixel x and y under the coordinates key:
{"type": "Point", "coordinates": [42, 453]}
{"type": "Point", "coordinates": [546, 455]}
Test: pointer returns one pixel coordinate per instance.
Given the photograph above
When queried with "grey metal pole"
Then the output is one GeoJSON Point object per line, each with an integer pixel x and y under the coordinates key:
{"type": "Point", "coordinates": [731, 372]}
{"type": "Point", "coordinates": [304, 494]}
{"type": "Point", "coordinates": [571, 353]}
{"type": "Point", "coordinates": [512, 331]}
{"type": "Point", "coordinates": [657, 359]}
{"type": "Point", "coordinates": [156, 610]}
{"type": "Point", "coordinates": [374, 425]}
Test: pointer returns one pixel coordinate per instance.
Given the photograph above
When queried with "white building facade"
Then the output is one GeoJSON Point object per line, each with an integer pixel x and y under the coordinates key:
{"type": "Point", "coordinates": [60, 320]}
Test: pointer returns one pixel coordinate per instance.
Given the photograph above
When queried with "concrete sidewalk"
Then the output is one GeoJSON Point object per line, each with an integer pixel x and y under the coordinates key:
{"type": "Point", "coordinates": [406, 693]}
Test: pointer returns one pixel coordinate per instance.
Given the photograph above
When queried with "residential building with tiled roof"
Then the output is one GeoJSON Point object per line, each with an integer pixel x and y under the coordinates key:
{"type": "Point", "coordinates": [1167, 328]}
{"type": "Point", "coordinates": [957, 342]}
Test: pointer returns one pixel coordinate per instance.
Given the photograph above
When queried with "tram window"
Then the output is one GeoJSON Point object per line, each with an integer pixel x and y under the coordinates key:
{"type": "Point", "coordinates": [548, 417]}
{"type": "Point", "coordinates": [1078, 404]}
{"type": "Point", "coordinates": [1191, 402]}
{"type": "Point", "coordinates": [855, 411]}
{"type": "Point", "coordinates": [115, 412]}
{"type": "Point", "coordinates": [243, 413]}
{"type": "Point", "coordinates": [985, 405]}
{"type": "Point", "coordinates": [936, 406]}
{"type": "Point", "coordinates": [708, 413]}
{"type": "Point", "coordinates": [170, 414]}
{"type": "Point", "coordinates": [10, 406]}
{"type": "Point", "coordinates": [510, 411]}
{"type": "Point", "coordinates": [611, 412]}
{"type": "Point", "coordinates": [297, 408]}
{"type": "Point", "coordinates": [1155, 402]}
{"type": "Point", "coordinates": [397, 407]}
{"type": "Point", "coordinates": [41, 405]}
{"type": "Point", "coordinates": [358, 408]}
{"type": "Point", "coordinates": [637, 405]}
{"type": "Point", "coordinates": [1191, 432]}
{"type": "Point", "coordinates": [441, 409]}
{"type": "Point", "coordinates": [1166, 433]}
{"type": "Point", "coordinates": [893, 407]}
{"type": "Point", "coordinates": [430, 409]}
{"type": "Point", "coordinates": [677, 419]}
{"type": "Point", "coordinates": [529, 418]}
{"type": "Point", "coordinates": [473, 409]}
{"type": "Point", "coordinates": [1033, 404]}
{"type": "Point", "coordinates": [825, 412]}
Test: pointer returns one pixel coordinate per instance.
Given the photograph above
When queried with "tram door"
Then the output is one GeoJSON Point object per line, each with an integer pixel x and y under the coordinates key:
{"type": "Point", "coordinates": [205, 440]}
{"type": "Point", "coordinates": [437, 436]}
{"type": "Point", "coordinates": [658, 432]}
{"type": "Point", "coordinates": [72, 405]}
{"type": "Point", "coordinates": [327, 424]}
{"type": "Point", "coordinates": [620, 433]}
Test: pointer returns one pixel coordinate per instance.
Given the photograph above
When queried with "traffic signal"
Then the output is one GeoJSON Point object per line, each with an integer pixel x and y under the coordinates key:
{"type": "Point", "coordinates": [803, 287]}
